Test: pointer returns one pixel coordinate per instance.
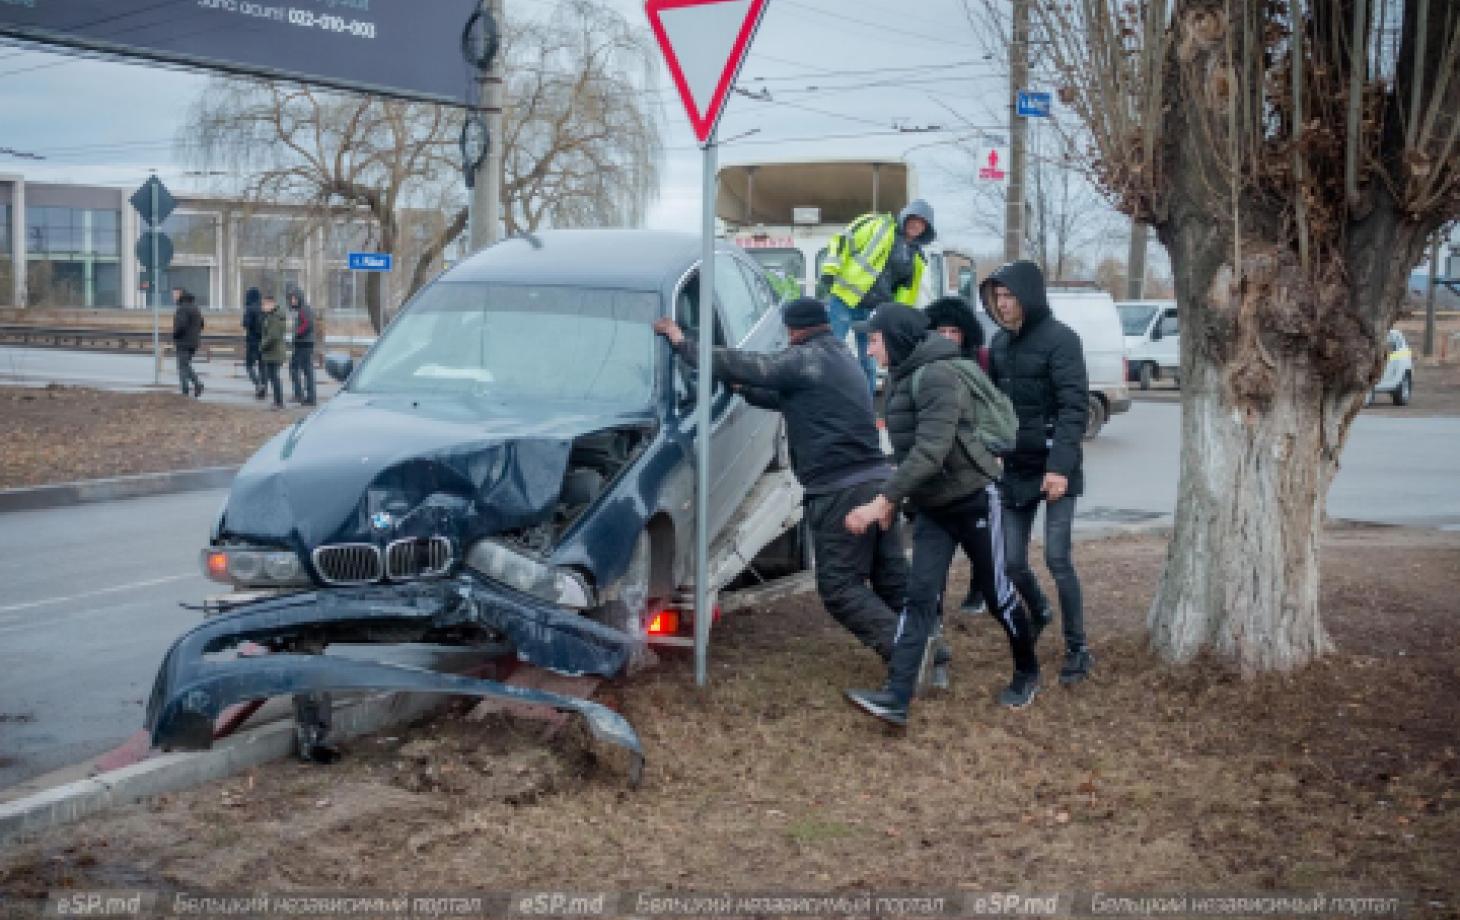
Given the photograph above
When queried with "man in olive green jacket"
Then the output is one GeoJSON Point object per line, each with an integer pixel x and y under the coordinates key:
{"type": "Point", "coordinates": [271, 347]}
{"type": "Point", "coordinates": [956, 502]}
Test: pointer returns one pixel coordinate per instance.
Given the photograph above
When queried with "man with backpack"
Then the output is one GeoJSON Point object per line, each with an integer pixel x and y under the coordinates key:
{"type": "Point", "coordinates": [953, 319]}
{"type": "Point", "coordinates": [937, 403]}
{"type": "Point", "coordinates": [1039, 362]}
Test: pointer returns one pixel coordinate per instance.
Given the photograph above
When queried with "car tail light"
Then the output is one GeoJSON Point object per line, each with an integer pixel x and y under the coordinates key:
{"type": "Point", "coordinates": [664, 623]}
{"type": "Point", "coordinates": [215, 565]}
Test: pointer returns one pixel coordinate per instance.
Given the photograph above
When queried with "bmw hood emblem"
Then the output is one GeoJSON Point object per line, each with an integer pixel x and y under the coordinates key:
{"type": "Point", "coordinates": [382, 521]}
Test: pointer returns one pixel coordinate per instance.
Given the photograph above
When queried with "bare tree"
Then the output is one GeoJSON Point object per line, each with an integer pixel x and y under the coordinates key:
{"type": "Point", "coordinates": [1294, 156]}
{"type": "Point", "coordinates": [581, 147]}
{"type": "Point", "coordinates": [1068, 215]}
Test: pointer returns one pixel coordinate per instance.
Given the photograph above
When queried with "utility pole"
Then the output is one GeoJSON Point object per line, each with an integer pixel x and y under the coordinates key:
{"type": "Point", "coordinates": [1018, 134]}
{"type": "Point", "coordinates": [486, 201]}
{"type": "Point", "coordinates": [1135, 262]}
{"type": "Point", "coordinates": [1429, 349]}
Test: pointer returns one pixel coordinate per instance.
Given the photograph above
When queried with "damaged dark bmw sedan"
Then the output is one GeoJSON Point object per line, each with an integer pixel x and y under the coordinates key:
{"type": "Point", "coordinates": [510, 465]}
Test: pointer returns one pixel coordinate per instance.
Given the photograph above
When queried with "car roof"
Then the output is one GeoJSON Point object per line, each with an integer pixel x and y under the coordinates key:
{"type": "Point", "coordinates": [636, 259]}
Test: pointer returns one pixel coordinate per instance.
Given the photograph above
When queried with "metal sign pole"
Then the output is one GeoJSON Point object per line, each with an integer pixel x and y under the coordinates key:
{"type": "Point", "coordinates": [152, 289]}
{"type": "Point", "coordinates": [703, 613]}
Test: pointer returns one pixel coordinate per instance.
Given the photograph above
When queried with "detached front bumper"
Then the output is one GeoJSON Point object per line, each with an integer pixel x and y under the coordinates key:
{"type": "Point", "coordinates": [196, 682]}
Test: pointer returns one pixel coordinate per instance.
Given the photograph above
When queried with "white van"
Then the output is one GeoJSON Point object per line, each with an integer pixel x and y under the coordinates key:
{"type": "Point", "coordinates": [1091, 313]}
{"type": "Point", "coordinates": [1152, 340]}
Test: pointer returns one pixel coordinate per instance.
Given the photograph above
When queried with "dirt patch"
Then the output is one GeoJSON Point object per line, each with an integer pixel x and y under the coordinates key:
{"type": "Point", "coordinates": [125, 433]}
{"type": "Point", "coordinates": [1345, 776]}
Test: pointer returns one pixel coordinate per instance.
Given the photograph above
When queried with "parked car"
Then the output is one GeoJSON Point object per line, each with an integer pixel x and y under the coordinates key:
{"type": "Point", "coordinates": [1398, 377]}
{"type": "Point", "coordinates": [1152, 340]}
{"type": "Point", "coordinates": [512, 462]}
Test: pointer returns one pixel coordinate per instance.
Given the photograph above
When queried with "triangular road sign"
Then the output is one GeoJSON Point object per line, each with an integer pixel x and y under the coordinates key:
{"type": "Point", "coordinates": [704, 42]}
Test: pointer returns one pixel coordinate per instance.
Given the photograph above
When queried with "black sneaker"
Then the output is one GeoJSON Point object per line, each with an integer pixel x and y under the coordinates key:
{"type": "Point", "coordinates": [1078, 662]}
{"type": "Point", "coordinates": [1038, 619]}
{"type": "Point", "coordinates": [1021, 690]}
{"type": "Point", "coordinates": [973, 605]}
{"type": "Point", "coordinates": [880, 703]}
{"type": "Point", "coordinates": [258, 394]}
{"type": "Point", "coordinates": [198, 390]}
{"type": "Point", "coordinates": [938, 676]}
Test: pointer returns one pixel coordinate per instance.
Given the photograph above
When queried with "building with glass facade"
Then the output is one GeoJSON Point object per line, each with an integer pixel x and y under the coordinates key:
{"type": "Point", "coordinates": [74, 246]}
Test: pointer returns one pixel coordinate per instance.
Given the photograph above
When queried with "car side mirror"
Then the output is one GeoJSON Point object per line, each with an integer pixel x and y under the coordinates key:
{"type": "Point", "coordinates": [339, 366]}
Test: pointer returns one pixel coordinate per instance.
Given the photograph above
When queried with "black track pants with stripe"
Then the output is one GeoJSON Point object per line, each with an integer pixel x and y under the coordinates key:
{"type": "Point", "coordinates": [977, 525]}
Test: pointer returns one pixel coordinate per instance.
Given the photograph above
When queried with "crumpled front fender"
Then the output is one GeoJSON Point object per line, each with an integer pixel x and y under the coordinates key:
{"type": "Point", "coordinates": [191, 688]}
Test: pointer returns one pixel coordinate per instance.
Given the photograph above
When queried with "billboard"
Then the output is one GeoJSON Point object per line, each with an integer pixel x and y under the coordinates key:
{"type": "Point", "coordinates": [404, 48]}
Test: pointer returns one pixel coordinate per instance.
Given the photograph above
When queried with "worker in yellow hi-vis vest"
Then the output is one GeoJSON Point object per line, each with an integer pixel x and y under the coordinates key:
{"type": "Point", "coordinates": [875, 260]}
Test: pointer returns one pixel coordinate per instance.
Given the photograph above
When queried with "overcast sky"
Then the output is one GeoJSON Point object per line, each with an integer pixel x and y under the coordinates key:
{"type": "Point", "coordinates": [843, 77]}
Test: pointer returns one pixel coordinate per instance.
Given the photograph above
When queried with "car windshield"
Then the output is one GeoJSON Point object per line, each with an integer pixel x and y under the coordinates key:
{"type": "Point", "coordinates": [519, 343]}
{"type": "Point", "coordinates": [1135, 318]}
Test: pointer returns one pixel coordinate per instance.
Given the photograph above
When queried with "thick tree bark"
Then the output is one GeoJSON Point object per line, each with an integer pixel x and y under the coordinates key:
{"type": "Point", "coordinates": [1274, 372]}
{"type": "Point", "coordinates": [1241, 574]}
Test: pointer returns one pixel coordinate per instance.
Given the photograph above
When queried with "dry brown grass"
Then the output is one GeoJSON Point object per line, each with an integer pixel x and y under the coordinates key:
{"type": "Point", "coordinates": [1148, 778]}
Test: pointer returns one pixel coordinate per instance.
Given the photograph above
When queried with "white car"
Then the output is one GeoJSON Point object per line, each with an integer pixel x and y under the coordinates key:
{"type": "Point", "coordinates": [1398, 377]}
{"type": "Point", "coordinates": [1152, 340]}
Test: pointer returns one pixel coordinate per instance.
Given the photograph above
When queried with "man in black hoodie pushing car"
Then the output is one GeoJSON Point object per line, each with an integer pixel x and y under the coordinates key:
{"type": "Point", "coordinates": [817, 386]}
{"type": "Point", "coordinates": [1039, 363]}
{"type": "Point", "coordinates": [956, 501]}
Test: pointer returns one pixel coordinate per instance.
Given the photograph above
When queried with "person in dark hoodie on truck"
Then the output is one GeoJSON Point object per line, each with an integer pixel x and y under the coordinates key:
{"type": "Point", "coordinates": [956, 504]}
{"type": "Point", "coordinates": [837, 457]}
{"type": "Point", "coordinates": [1039, 363]}
{"type": "Point", "coordinates": [875, 260]}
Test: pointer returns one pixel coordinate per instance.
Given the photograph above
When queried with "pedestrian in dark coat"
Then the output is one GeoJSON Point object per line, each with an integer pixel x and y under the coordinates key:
{"type": "Point", "coordinates": [272, 351]}
{"type": "Point", "coordinates": [187, 335]}
{"type": "Point", "coordinates": [817, 386]}
{"type": "Point", "coordinates": [1039, 363]}
{"type": "Point", "coordinates": [253, 331]}
{"type": "Point", "coordinates": [301, 366]}
{"type": "Point", "coordinates": [954, 319]}
{"type": "Point", "coordinates": [955, 501]}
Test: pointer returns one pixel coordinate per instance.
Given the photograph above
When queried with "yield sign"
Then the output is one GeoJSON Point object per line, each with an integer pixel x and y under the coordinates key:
{"type": "Point", "coordinates": [704, 43]}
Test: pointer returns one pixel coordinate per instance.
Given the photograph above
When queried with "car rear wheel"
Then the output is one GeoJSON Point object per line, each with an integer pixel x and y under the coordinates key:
{"type": "Point", "coordinates": [1404, 391]}
{"type": "Point", "coordinates": [1146, 374]}
{"type": "Point", "coordinates": [1095, 419]}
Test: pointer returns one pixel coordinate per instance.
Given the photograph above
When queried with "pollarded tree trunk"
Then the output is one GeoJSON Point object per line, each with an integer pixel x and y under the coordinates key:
{"type": "Point", "coordinates": [1274, 371]}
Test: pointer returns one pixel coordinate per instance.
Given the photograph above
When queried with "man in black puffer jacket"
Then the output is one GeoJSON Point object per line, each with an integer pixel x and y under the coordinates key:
{"type": "Point", "coordinates": [1039, 363]}
{"type": "Point", "coordinates": [836, 454]}
{"type": "Point", "coordinates": [957, 504]}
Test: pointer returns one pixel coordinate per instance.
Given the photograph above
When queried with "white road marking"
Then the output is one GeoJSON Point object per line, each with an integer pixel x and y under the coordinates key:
{"type": "Point", "coordinates": [29, 605]}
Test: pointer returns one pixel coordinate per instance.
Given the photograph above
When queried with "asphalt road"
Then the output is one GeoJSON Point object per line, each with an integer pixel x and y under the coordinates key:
{"type": "Point", "coordinates": [92, 592]}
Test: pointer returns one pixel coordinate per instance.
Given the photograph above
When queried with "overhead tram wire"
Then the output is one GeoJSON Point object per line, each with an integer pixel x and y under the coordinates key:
{"type": "Point", "coordinates": [839, 18]}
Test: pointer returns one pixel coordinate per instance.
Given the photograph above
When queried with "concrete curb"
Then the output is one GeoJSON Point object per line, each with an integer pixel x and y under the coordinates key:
{"type": "Point", "coordinates": [175, 772]}
{"type": "Point", "coordinates": [66, 494]}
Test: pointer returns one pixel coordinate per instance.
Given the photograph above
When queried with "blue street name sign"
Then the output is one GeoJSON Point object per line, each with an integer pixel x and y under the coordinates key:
{"type": "Point", "coordinates": [370, 261]}
{"type": "Point", "coordinates": [1033, 105]}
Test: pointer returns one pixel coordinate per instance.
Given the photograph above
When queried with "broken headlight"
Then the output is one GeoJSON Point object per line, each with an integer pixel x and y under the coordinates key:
{"type": "Point", "coordinates": [564, 587]}
{"type": "Point", "coordinates": [251, 567]}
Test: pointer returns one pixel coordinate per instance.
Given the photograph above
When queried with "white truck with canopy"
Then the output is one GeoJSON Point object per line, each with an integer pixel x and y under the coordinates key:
{"type": "Point", "coordinates": [784, 213]}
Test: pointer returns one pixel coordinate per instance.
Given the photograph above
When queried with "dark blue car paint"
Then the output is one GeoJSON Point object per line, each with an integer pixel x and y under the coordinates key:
{"type": "Point", "coordinates": [442, 464]}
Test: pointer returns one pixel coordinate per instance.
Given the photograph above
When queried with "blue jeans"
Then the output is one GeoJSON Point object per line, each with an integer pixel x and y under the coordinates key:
{"type": "Point", "coordinates": [842, 317]}
{"type": "Point", "coordinates": [1059, 520]}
